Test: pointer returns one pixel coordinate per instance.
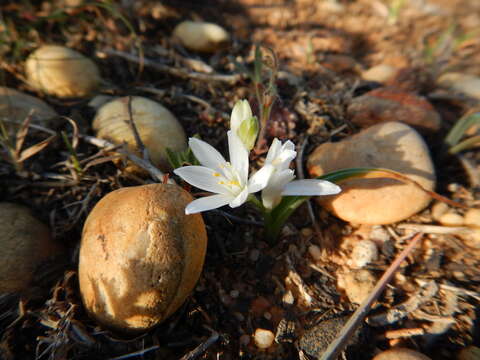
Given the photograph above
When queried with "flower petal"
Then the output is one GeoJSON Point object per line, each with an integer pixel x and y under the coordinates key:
{"type": "Point", "coordinates": [207, 203]}
{"type": "Point", "coordinates": [240, 199]}
{"type": "Point", "coordinates": [311, 187]}
{"type": "Point", "coordinates": [288, 145]}
{"type": "Point", "coordinates": [240, 112]}
{"type": "Point", "coordinates": [273, 151]}
{"type": "Point", "coordinates": [206, 153]}
{"type": "Point", "coordinates": [238, 157]}
{"type": "Point", "coordinates": [203, 178]}
{"type": "Point", "coordinates": [272, 194]}
{"type": "Point", "coordinates": [260, 179]}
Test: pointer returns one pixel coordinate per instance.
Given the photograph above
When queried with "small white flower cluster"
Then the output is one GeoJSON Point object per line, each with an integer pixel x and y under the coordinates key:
{"type": "Point", "coordinates": [230, 181]}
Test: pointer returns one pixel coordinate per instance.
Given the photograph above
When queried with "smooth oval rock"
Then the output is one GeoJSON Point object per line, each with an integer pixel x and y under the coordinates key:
{"type": "Point", "coordinates": [156, 125]}
{"type": "Point", "coordinates": [201, 36]}
{"type": "Point", "coordinates": [389, 104]}
{"type": "Point", "coordinates": [391, 145]}
{"type": "Point", "coordinates": [380, 73]}
{"type": "Point", "coordinates": [25, 244]}
{"type": "Point", "coordinates": [463, 83]}
{"type": "Point", "coordinates": [15, 106]}
{"type": "Point", "coordinates": [140, 256]}
{"type": "Point", "coordinates": [400, 354]}
{"type": "Point", "coordinates": [62, 72]}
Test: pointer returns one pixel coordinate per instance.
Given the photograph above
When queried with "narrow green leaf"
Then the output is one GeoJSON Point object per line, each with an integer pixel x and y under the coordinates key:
{"type": "Point", "coordinates": [461, 127]}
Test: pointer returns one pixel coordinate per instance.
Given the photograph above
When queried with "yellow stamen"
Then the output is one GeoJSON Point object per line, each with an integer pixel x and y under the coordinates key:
{"type": "Point", "coordinates": [216, 174]}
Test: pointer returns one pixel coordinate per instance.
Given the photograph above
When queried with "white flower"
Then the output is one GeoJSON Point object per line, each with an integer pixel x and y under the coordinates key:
{"type": "Point", "coordinates": [244, 124]}
{"type": "Point", "coordinates": [280, 183]}
{"type": "Point", "coordinates": [229, 180]}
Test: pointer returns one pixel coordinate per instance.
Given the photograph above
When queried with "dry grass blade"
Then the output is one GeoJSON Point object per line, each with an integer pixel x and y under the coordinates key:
{"type": "Point", "coordinates": [359, 315]}
{"type": "Point", "coordinates": [34, 149]}
{"type": "Point", "coordinates": [201, 348]}
{"type": "Point", "coordinates": [22, 134]}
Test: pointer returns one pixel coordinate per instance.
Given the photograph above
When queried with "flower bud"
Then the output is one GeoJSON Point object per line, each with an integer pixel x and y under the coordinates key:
{"type": "Point", "coordinates": [248, 131]}
{"type": "Point", "coordinates": [244, 124]}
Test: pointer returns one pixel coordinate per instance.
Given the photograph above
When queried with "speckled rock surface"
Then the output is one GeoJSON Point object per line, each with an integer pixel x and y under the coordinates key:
{"type": "Point", "coordinates": [140, 256]}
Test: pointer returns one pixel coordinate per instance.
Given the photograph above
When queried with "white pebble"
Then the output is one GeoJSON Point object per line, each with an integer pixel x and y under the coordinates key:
{"type": "Point", "coordinates": [364, 252]}
{"type": "Point", "coordinates": [263, 338]}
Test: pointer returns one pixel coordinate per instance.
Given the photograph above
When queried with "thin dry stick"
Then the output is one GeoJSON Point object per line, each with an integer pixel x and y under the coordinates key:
{"type": "Point", "coordinates": [230, 79]}
{"type": "Point", "coordinates": [136, 353]}
{"type": "Point", "coordinates": [200, 349]}
{"type": "Point", "coordinates": [140, 145]}
{"type": "Point", "coordinates": [146, 165]}
{"type": "Point", "coordinates": [359, 315]}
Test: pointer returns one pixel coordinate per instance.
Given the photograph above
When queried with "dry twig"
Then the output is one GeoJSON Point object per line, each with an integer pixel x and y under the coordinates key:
{"type": "Point", "coordinates": [359, 315]}
{"type": "Point", "coordinates": [229, 79]}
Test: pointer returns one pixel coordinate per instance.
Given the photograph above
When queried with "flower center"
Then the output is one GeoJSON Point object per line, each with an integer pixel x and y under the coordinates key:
{"type": "Point", "coordinates": [228, 177]}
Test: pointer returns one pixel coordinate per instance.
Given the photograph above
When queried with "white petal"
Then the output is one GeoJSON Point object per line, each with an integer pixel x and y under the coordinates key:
{"type": "Point", "coordinates": [288, 145]}
{"type": "Point", "coordinates": [202, 177]}
{"type": "Point", "coordinates": [207, 203]}
{"type": "Point", "coordinates": [272, 194]}
{"type": "Point", "coordinates": [240, 112]}
{"type": "Point", "coordinates": [240, 199]}
{"type": "Point", "coordinates": [260, 179]}
{"type": "Point", "coordinates": [284, 159]}
{"type": "Point", "coordinates": [311, 187]}
{"type": "Point", "coordinates": [273, 151]}
{"type": "Point", "coordinates": [238, 156]}
{"type": "Point", "coordinates": [206, 153]}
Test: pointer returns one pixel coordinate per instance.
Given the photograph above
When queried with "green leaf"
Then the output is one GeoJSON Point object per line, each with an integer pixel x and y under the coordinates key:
{"type": "Point", "coordinates": [277, 217]}
{"type": "Point", "coordinates": [258, 64]}
{"type": "Point", "coordinates": [181, 158]}
{"type": "Point", "coordinates": [460, 128]}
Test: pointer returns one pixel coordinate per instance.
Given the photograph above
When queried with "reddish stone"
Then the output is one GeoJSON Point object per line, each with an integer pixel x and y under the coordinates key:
{"type": "Point", "coordinates": [389, 104]}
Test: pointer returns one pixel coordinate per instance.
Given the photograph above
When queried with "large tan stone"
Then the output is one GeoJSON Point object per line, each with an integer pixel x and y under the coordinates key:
{"type": "Point", "coordinates": [15, 106]}
{"type": "Point", "coordinates": [25, 243]}
{"type": "Point", "coordinates": [391, 145]}
{"type": "Point", "coordinates": [156, 125]}
{"type": "Point", "coordinates": [62, 72]}
{"type": "Point", "coordinates": [140, 256]}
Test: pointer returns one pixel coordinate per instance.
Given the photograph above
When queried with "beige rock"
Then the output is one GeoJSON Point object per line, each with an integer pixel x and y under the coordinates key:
{"type": "Point", "coordinates": [400, 354]}
{"type": "Point", "coordinates": [140, 256]}
{"type": "Point", "coordinates": [390, 104]}
{"type": "Point", "coordinates": [157, 126]}
{"type": "Point", "coordinates": [464, 83]}
{"type": "Point", "coordinates": [263, 338]}
{"type": "Point", "coordinates": [16, 106]}
{"type": "Point", "coordinates": [390, 145]}
{"type": "Point", "coordinates": [62, 72]}
{"type": "Point", "coordinates": [380, 73]}
{"type": "Point", "coordinates": [472, 217]}
{"type": "Point", "coordinates": [358, 285]}
{"type": "Point", "coordinates": [25, 243]}
{"type": "Point", "coordinates": [451, 219]}
{"type": "Point", "coordinates": [201, 36]}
